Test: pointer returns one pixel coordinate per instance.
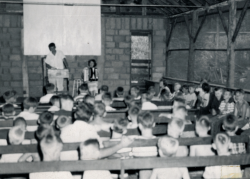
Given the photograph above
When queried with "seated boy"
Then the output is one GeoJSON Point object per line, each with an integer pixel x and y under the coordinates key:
{"type": "Point", "coordinates": [46, 118]}
{"type": "Point", "coordinates": [164, 85]}
{"type": "Point", "coordinates": [55, 101]}
{"type": "Point", "coordinates": [167, 147]}
{"type": "Point", "coordinates": [90, 150]}
{"type": "Point", "coordinates": [10, 98]}
{"type": "Point", "coordinates": [119, 128]}
{"type": "Point", "coordinates": [175, 129]}
{"type": "Point", "coordinates": [28, 113]}
{"type": "Point", "coordinates": [119, 93]}
{"type": "Point", "coordinates": [50, 92]}
{"type": "Point", "coordinates": [191, 97]}
{"type": "Point", "coordinates": [221, 143]}
{"type": "Point", "coordinates": [67, 103]}
{"type": "Point", "coordinates": [8, 111]}
{"type": "Point", "coordinates": [129, 101]}
{"type": "Point", "coordinates": [202, 126]}
{"type": "Point", "coordinates": [89, 99]}
{"type": "Point", "coordinates": [132, 116]}
{"type": "Point", "coordinates": [107, 100]}
{"type": "Point", "coordinates": [63, 121]}
{"type": "Point", "coordinates": [51, 145]}
{"type": "Point", "coordinates": [177, 87]}
{"type": "Point", "coordinates": [185, 91]}
{"type": "Point", "coordinates": [241, 106]}
{"type": "Point", "coordinates": [216, 100]}
{"type": "Point", "coordinates": [231, 127]}
{"type": "Point", "coordinates": [103, 89]}
{"type": "Point", "coordinates": [135, 92]}
{"type": "Point", "coordinates": [83, 90]}
{"type": "Point", "coordinates": [227, 105]}
{"type": "Point", "coordinates": [146, 102]}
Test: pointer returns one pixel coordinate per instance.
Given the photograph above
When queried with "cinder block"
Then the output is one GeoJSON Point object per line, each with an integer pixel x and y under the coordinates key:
{"type": "Point", "coordinates": [119, 38]}
{"type": "Point", "coordinates": [107, 24]}
{"type": "Point", "coordinates": [109, 38]}
{"type": "Point", "coordinates": [110, 57]}
{"type": "Point", "coordinates": [128, 38]}
{"type": "Point", "coordinates": [150, 23]}
{"type": "Point", "coordinates": [139, 23]}
{"type": "Point", "coordinates": [133, 23]}
{"type": "Point", "coordinates": [6, 77]}
{"type": "Point", "coordinates": [70, 59]}
{"type": "Point", "coordinates": [15, 43]}
{"type": "Point", "coordinates": [16, 64]}
{"type": "Point", "coordinates": [110, 32]}
{"type": "Point", "coordinates": [161, 45]}
{"type": "Point", "coordinates": [5, 30]}
{"type": "Point", "coordinates": [159, 69]}
{"type": "Point", "coordinates": [158, 51]}
{"type": "Point", "coordinates": [124, 32]}
{"type": "Point", "coordinates": [4, 36]}
{"type": "Point", "coordinates": [127, 51]}
{"type": "Point", "coordinates": [117, 64]}
{"type": "Point", "coordinates": [6, 70]}
{"type": "Point", "coordinates": [124, 45]}
{"type": "Point", "coordinates": [127, 82]}
{"type": "Point", "coordinates": [34, 63]}
{"type": "Point", "coordinates": [108, 70]}
{"type": "Point", "coordinates": [125, 76]}
{"type": "Point", "coordinates": [36, 83]}
{"type": "Point", "coordinates": [6, 83]}
{"type": "Point", "coordinates": [113, 76]}
{"type": "Point", "coordinates": [15, 57]}
{"type": "Point", "coordinates": [6, 21]}
{"type": "Point", "coordinates": [17, 76]}
{"type": "Point", "coordinates": [126, 23]}
{"type": "Point", "coordinates": [16, 51]}
{"type": "Point", "coordinates": [35, 76]}
{"type": "Point", "coordinates": [118, 23]}
{"type": "Point", "coordinates": [120, 70]}
{"type": "Point", "coordinates": [158, 61]}
{"type": "Point", "coordinates": [124, 57]}
{"type": "Point", "coordinates": [157, 75]}
{"type": "Point", "coordinates": [145, 23]}
{"type": "Point", "coordinates": [112, 23]}
{"type": "Point", "coordinates": [126, 64]}
{"type": "Point", "coordinates": [118, 51]}
{"type": "Point", "coordinates": [73, 65]}
{"type": "Point", "coordinates": [15, 70]}
{"type": "Point", "coordinates": [110, 44]}
{"type": "Point", "coordinates": [160, 32]}
{"type": "Point", "coordinates": [1, 20]}
{"type": "Point", "coordinates": [107, 64]}
{"type": "Point", "coordinates": [13, 21]}
{"type": "Point", "coordinates": [35, 70]}
{"type": "Point", "coordinates": [16, 83]}
{"type": "Point", "coordinates": [159, 38]}
{"type": "Point", "coordinates": [109, 51]}
{"type": "Point", "coordinates": [5, 64]}
{"type": "Point", "coordinates": [119, 83]}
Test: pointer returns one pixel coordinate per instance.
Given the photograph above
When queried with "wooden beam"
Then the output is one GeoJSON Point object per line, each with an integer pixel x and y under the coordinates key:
{"type": "Point", "coordinates": [200, 26]}
{"type": "Point", "coordinates": [24, 70]}
{"type": "Point", "coordinates": [222, 20]}
{"type": "Point", "coordinates": [188, 27]}
{"type": "Point", "coordinates": [195, 2]}
{"type": "Point", "coordinates": [230, 43]}
{"type": "Point", "coordinates": [242, 15]}
{"type": "Point", "coordinates": [144, 9]}
{"type": "Point", "coordinates": [174, 3]}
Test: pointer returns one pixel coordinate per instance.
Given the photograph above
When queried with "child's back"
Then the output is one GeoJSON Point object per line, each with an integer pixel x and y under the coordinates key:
{"type": "Point", "coordinates": [50, 92]}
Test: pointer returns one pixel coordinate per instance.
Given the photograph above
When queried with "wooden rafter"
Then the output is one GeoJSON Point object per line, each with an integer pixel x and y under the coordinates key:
{"type": "Point", "coordinates": [222, 20]}
{"type": "Point", "coordinates": [188, 27]}
{"type": "Point", "coordinates": [195, 2]}
{"type": "Point", "coordinates": [171, 31]}
{"type": "Point", "coordinates": [176, 3]}
{"type": "Point", "coordinates": [160, 10]}
{"type": "Point", "coordinates": [200, 26]}
{"type": "Point", "coordinates": [172, 9]}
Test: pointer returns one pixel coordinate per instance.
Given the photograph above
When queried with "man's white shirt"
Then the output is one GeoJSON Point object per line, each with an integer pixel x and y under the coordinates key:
{"type": "Point", "coordinates": [55, 61]}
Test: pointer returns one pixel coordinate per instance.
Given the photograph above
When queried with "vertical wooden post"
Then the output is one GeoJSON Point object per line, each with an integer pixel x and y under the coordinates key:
{"type": "Point", "coordinates": [230, 43]}
{"type": "Point", "coordinates": [191, 56]}
{"type": "Point", "coordinates": [144, 9]}
{"type": "Point", "coordinates": [24, 69]}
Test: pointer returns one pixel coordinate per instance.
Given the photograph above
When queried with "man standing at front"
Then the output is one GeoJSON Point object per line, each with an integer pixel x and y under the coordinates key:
{"type": "Point", "coordinates": [56, 61]}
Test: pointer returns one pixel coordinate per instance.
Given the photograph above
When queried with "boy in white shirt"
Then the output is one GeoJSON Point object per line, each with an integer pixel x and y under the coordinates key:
{"type": "Point", "coordinates": [132, 116]}
{"type": "Point", "coordinates": [227, 106]}
{"type": "Point", "coordinates": [10, 98]}
{"type": "Point", "coordinates": [177, 92]}
{"type": "Point", "coordinates": [103, 89]}
{"type": "Point", "coordinates": [191, 97]}
{"type": "Point", "coordinates": [167, 147]}
{"type": "Point", "coordinates": [119, 128]}
{"type": "Point", "coordinates": [119, 93]}
{"type": "Point", "coordinates": [55, 101]}
{"type": "Point", "coordinates": [146, 104]}
{"type": "Point", "coordinates": [46, 118]}
{"type": "Point", "coordinates": [107, 100]}
{"type": "Point", "coordinates": [8, 111]}
{"type": "Point", "coordinates": [185, 91]}
{"type": "Point", "coordinates": [135, 92]}
{"type": "Point", "coordinates": [28, 113]}
{"type": "Point", "coordinates": [50, 92]}
{"type": "Point", "coordinates": [222, 143]}
{"type": "Point", "coordinates": [83, 90]}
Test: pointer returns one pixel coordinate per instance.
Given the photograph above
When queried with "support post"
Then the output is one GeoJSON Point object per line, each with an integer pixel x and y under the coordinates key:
{"type": "Point", "coordinates": [25, 72]}
{"type": "Point", "coordinates": [230, 43]}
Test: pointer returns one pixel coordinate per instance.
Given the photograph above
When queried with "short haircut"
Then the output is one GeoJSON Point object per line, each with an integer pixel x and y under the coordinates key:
{"type": "Point", "coordinates": [221, 137]}
{"type": "Point", "coordinates": [218, 88]}
{"type": "Point", "coordinates": [84, 111]}
{"type": "Point", "coordinates": [185, 86]}
{"type": "Point", "coordinates": [168, 145]}
{"type": "Point", "coordinates": [146, 119]}
{"type": "Point", "coordinates": [63, 121]}
{"type": "Point", "coordinates": [180, 100]}
{"type": "Point", "coordinates": [120, 90]}
{"type": "Point", "coordinates": [9, 94]}
{"type": "Point", "coordinates": [104, 88]}
{"type": "Point", "coordinates": [135, 87]}
{"type": "Point", "coordinates": [206, 87]}
{"type": "Point", "coordinates": [84, 87]}
{"type": "Point", "coordinates": [30, 102]}
{"type": "Point", "coordinates": [165, 92]}
{"type": "Point", "coordinates": [87, 97]}
{"type": "Point", "coordinates": [20, 121]}
{"type": "Point", "coordinates": [16, 135]}
{"type": "Point", "coordinates": [8, 109]}
{"type": "Point", "coordinates": [134, 110]}
{"type": "Point", "coordinates": [128, 99]}
{"type": "Point", "coordinates": [179, 123]}
{"type": "Point", "coordinates": [164, 82]}
{"type": "Point", "coordinates": [191, 85]}
{"type": "Point", "coordinates": [99, 109]}
{"type": "Point", "coordinates": [241, 91]}
{"type": "Point", "coordinates": [94, 142]}
{"type": "Point", "coordinates": [46, 118]}
{"type": "Point", "coordinates": [52, 45]}
{"type": "Point", "coordinates": [230, 122]}
{"type": "Point", "coordinates": [228, 90]}
{"type": "Point", "coordinates": [107, 96]}
{"type": "Point", "coordinates": [92, 60]}
{"type": "Point", "coordinates": [50, 87]}
{"type": "Point", "coordinates": [54, 99]}
{"type": "Point", "coordinates": [120, 125]}
{"type": "Point", "coordinates": [204, 122]}
{"type": "Point", "coordinates": [147, 96]}
{"type": "Point", "coordinates": [151, 89]}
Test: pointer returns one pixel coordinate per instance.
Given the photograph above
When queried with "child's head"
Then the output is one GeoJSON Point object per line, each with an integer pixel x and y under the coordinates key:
{"type": "Point", "coordinates": [8, 110]}
{"type": "Point", "coordinates": [16, 135]}
{"type": "Point", "coordinates": [167, 146]}
{"type": "Point", "coordinates": [205, 87]}
{"type": "Point", "coordinates": [30, 104]}
{"type": "Point", "coordinates": [129, 100]}
{"type": "Point", "coordinates": [145, 120]}
{"type": "Point", "coordinates": [177, 86]}
{"type": "Point", "coordinates": [146, 97]}
{"type": "Point", "coordinates": [134, 91]}
{"type": "Point", "coordinates": [107, 98]}
{"type": "Point", "coordinates": [120, 125]}
{"type": "Point", "coordinates": [176, 127]}
{"type": "Point", "coordinates": [50, 88]}
{"type": "Point", "coordinates": [51, 145]}
{"type": "Point", "coordinates": [191, 89]}
{"type": "Point", "coordinates": [89, 150]}
{"type": "Point", "coordinates": [100, 109]}
{"type": "Point", "coordinates": [180, 112]}
{"type": "Point", "coordinates": [151, 90]}
{"type": "Point", "coordinates": [165, 94]}
{"type": "Point", "coordinates": [63, 121]}
{"type": "Point", "coordinates": [202, 126]}
{"type": "Point", "coordinates": [20, 122]}
{"type": "Point", "coordinates": [55, 101]}
{"type": "Point", "coordinates": [133, 111]}
{"type": "Point", "coordinates": [163, 83]}
{"type": "Point", "coordinates": [205, 99]}
{"type": "Point", "coordinates": [218, 91]}
{"type": "Point", "coordinates": [230, 124]}
{"type": "Point", "coordinates": [239, 94]}
{"type": "Point", "coordinates": [104, 89]}
{"type": "Point", "coordinates": [178, 101]}
{"type": "Point", "coordinates": [185, 89]}
{"type": "Point", "coordinates": [46, 118]}
{"type": "Point", "coordinates": [67, 102]}
{"type": "Point", "coordinates": [10, 96]}
{"type": "Point", "coordinates": [89, 99]}
{"type": "Point", "coordinates": [227, 94]}
{"type": "Point", "coordinates": [84, 112]}
{"type": "Point", "coordinates": [83, 88]}
{"type": "Point", "coordinates": [119, 92]}
{"type": "Point", "coordinates": [92, 63]}
{"type": "Point", "coordinates": [222, 143]}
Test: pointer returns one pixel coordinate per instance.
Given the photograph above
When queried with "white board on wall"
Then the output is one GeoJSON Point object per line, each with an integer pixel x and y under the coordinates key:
{"type": "Point", "coordinates": [76, 30]}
